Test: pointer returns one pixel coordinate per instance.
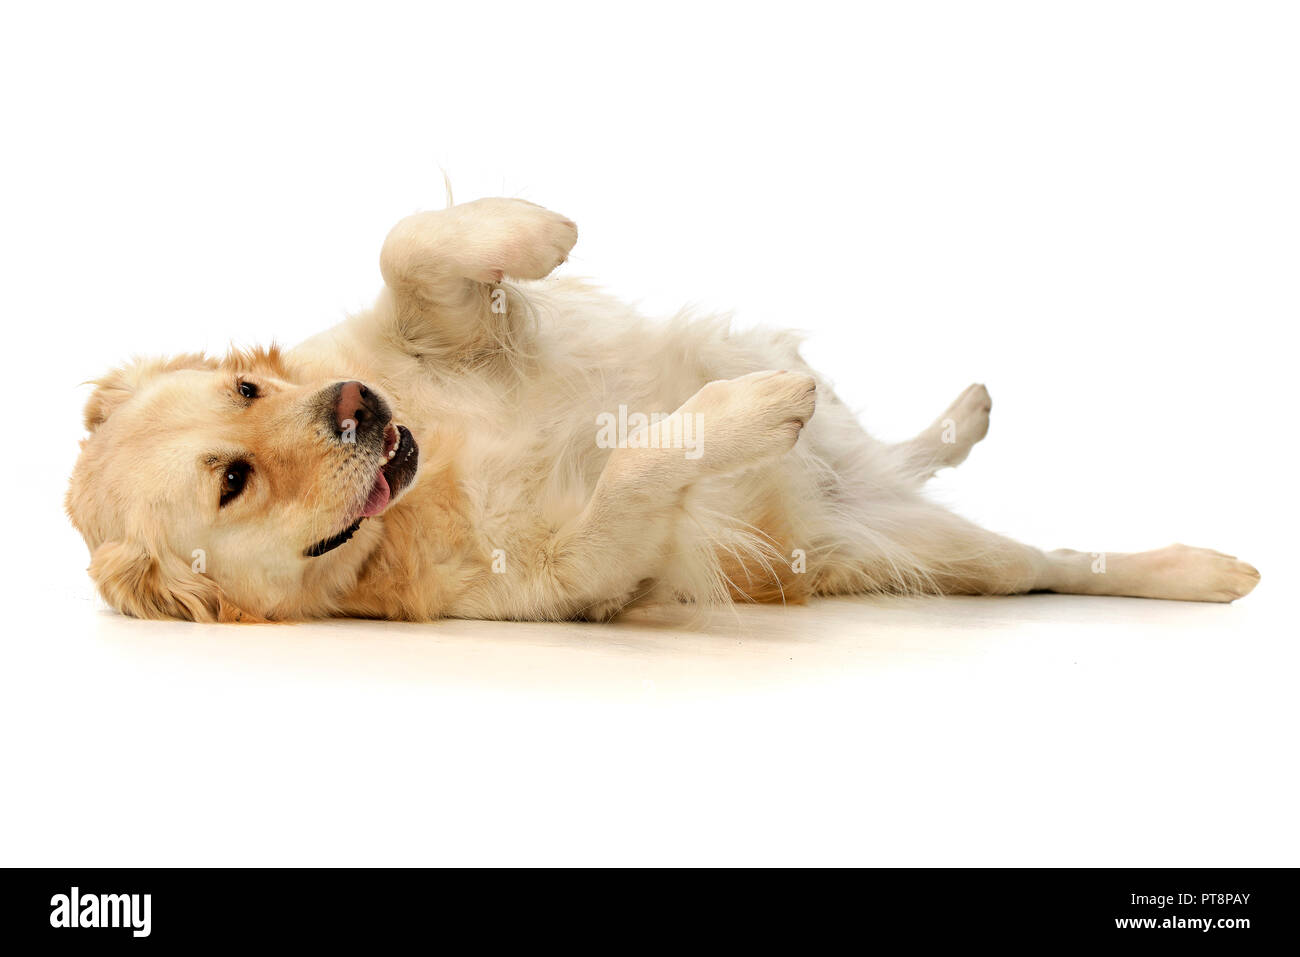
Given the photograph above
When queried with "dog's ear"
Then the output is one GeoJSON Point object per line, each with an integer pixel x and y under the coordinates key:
{"type": "Point", "coordinates": [123, 382]}
{"type": "Point", "coordinates": [141, 583]}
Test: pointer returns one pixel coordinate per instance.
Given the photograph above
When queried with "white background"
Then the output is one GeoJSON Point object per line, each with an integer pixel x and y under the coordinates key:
{"type": "Point", "coordinates": [1092, 207]}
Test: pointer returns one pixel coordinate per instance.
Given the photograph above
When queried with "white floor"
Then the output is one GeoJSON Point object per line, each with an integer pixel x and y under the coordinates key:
{"type": "Point", "coordinates": [1037, 730]}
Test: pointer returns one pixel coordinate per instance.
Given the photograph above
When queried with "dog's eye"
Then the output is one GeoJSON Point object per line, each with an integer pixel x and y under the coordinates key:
{"type": "Point", "coordinates": [233, 480]}
{"type": "Point", "coordinates": [248, 390]}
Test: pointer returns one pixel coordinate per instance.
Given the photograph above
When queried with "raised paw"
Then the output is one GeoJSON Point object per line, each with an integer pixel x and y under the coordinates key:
{"type": "Point", "coordinates": [754, 417]}
{"type": "Point", "coordinates": [426, 255]}
{"type": "Point", "coordinates": [963, 424]}
{"type": "Point", "coordinates": [518, 239]}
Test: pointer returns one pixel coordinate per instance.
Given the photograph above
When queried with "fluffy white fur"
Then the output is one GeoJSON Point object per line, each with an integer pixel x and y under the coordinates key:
{"type": "Point", "coordinates": [518, 513]}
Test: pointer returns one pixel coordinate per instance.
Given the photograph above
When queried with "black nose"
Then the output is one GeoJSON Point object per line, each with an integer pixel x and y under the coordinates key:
{"type": "Point", "coordinates": [358, 410]}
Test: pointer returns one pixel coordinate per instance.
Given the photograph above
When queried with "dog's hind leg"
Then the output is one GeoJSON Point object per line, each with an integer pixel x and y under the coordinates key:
{"type": "Point", "coordinates": [1178, 572]}
{"type": "Point", "coordinates": [949, 438]}
{"type": "Point", "coordinates": [917, 546]}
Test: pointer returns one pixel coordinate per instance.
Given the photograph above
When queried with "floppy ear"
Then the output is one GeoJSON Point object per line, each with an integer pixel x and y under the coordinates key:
{"type": "Point", "coordinates": [119, 385]}
{"type": "Point", "coordinates": [139, 583]}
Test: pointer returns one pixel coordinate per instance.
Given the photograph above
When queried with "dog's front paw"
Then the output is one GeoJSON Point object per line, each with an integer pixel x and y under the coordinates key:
{"type": "Point", "coordinates": [484, 241]}
{"type": "Point", "coordinates": [517, 239]}
{"type": "Point", "coordinates": [754, 417]}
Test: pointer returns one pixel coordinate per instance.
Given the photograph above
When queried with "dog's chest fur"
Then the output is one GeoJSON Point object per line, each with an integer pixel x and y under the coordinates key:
{"type": "Point", "coordinates": [511, 449]}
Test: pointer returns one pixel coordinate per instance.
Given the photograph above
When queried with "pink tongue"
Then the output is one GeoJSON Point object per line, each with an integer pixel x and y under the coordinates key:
{"type": "Point", "coordinates": [378, 497]}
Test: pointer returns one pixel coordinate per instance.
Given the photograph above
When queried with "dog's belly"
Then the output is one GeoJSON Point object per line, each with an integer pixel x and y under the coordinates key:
{"type": "Point", "coordinates": [512, 452]}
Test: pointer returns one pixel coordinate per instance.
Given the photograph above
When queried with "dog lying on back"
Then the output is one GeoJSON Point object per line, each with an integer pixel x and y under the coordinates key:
{"type": "Point", "coordinates": [486, 444]}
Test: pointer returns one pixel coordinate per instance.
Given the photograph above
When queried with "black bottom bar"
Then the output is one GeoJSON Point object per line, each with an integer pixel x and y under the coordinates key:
{"type": "Point", "coordinates": [614, 910]}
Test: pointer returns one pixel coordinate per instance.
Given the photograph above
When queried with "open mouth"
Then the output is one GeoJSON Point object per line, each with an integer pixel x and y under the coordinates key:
{"type": "Point", "coordinates": [400, 453]}
{"type": "Point", "coordinates": [401, 459]}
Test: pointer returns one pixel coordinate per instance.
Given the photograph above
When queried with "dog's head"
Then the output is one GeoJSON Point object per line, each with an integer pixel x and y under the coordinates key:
{"type": "Point", "coordinates": [220, 490]}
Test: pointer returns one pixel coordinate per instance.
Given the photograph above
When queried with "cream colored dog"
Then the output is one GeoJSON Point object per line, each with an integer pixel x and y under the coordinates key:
{"type": "Point", "coordinates": [484, 444]}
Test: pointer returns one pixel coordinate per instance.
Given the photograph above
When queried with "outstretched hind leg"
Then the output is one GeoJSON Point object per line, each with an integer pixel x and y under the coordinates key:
{"type": "Point", "coordinates": [917, 546]}
{"type": "Point", "coordinates": [1179, 572]}
{"type": "Point", "coordinates": [949, 438]}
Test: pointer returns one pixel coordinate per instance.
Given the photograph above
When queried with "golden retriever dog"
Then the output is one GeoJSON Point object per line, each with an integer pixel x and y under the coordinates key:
{"type": "Point", "coordinates": [489, 443]}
